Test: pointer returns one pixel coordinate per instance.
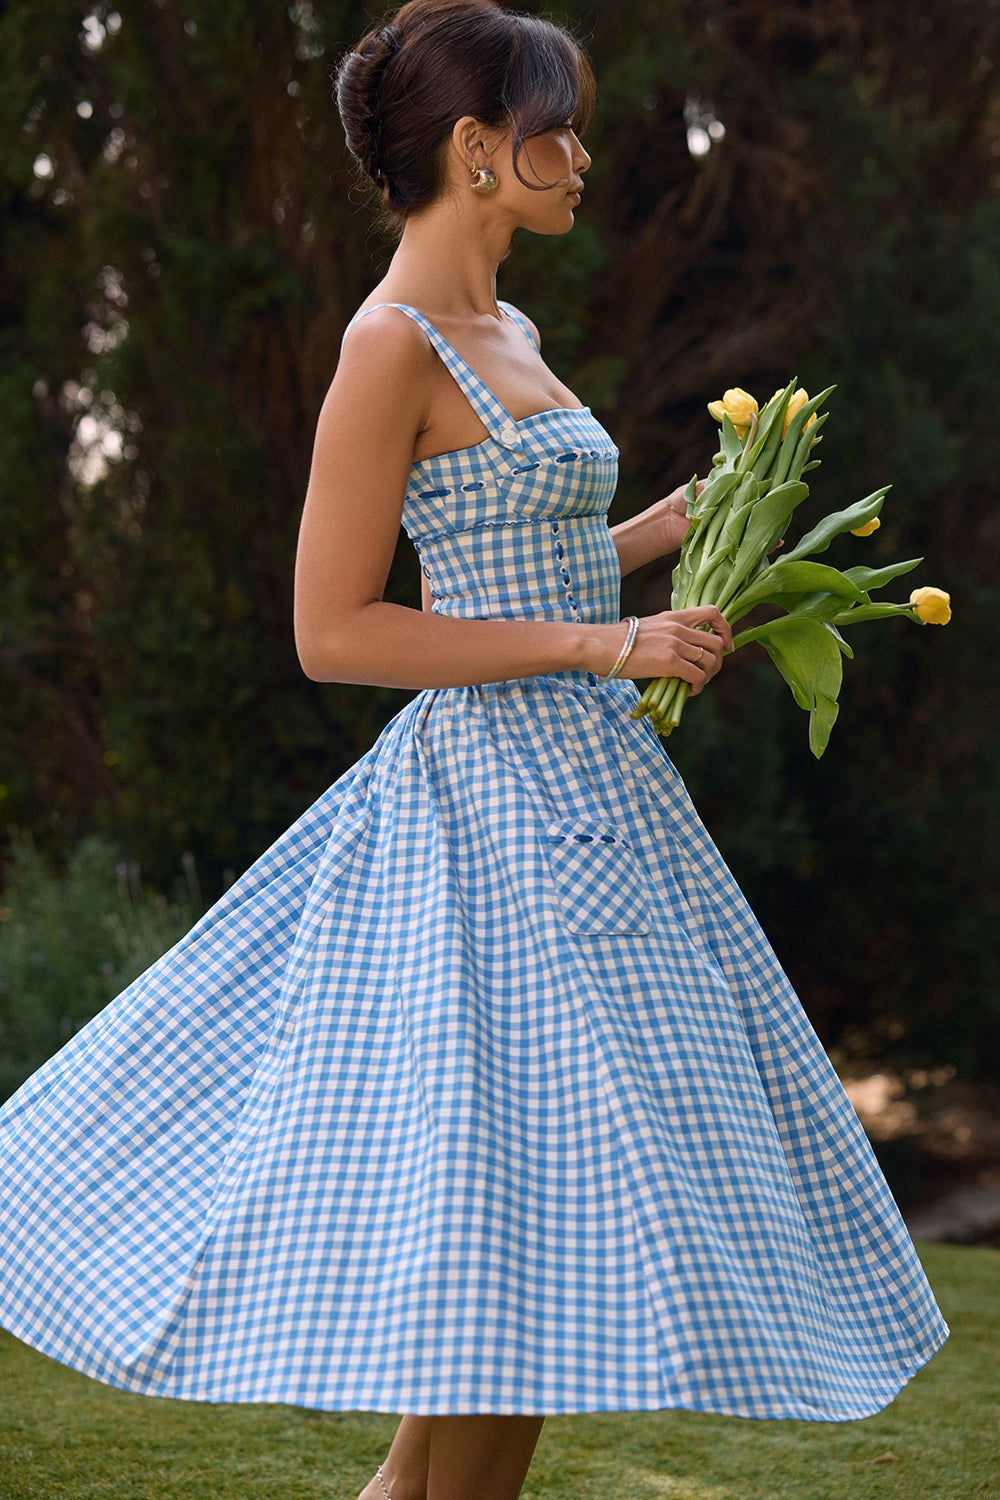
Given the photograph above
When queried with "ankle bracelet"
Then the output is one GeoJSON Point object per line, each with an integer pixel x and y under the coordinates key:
{"type": "Point", "coordinates": [378, 1476]}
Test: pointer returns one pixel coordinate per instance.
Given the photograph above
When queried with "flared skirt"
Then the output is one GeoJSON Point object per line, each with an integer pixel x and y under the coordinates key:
{"type": "Point", "coordinates": [481, 1091]}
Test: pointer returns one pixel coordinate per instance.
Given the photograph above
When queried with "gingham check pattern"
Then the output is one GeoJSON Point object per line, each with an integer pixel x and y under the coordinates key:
{"type": "Point", "coordinates": [482, 1090]}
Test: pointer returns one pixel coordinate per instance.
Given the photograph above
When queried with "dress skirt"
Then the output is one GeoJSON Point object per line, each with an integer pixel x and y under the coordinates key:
{"type": "Point", "coordinates": [481, 1091]}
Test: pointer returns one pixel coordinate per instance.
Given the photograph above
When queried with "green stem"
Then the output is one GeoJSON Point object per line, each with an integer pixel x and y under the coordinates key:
{"type": "Point", "coordinates": [671, 715]}
{"type": "Point", "coordinates": [744, 458]}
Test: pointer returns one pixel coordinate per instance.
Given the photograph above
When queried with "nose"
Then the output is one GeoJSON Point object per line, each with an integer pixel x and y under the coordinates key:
{"type": "Point", "coordinates": [581, 160]}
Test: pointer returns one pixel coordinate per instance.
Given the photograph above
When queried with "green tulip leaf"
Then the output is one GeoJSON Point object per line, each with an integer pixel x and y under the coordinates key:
{"type": "Point", "coordinates": [812, 606]}
{"type": "Point", "coordinates": [745, 504]}
{"type": "Point", "coordinates": [808, 656]}
{"type": "Point", "coordinates": [845, 648]}
{"type": "Point", "coordinates": [832, 526]}
{"type": "Point", "coordinates": [791, 577]}
{"type": "Point", "coordinates": [767, 521]}
{"type": "Point", "coordinates": [807, 442]}
{"type": "Point", "coordinates": [732, 447]}
{"type": "Point", "coordinates": [770, 518]}
{"type": "Point", "coordinates": [873, 611]}
{"type": "Point", "coordinates": [877, 578]}
{"type": "Point", "coordinates": [717, 488]}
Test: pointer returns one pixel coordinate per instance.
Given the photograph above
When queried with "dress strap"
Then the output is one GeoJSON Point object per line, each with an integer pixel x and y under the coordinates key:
{"type": "Point", "coordinates": [492, 413]}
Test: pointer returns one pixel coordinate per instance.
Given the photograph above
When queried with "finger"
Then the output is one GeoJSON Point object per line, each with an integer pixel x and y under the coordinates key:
{"type": "Point", "coordinates": [710, 657]}
{"type": "Point", "coordinates": [703, 640]}
{"type": "Point", "coordinates": [702, 615]}
{"type": "Point", "coordinates": [691, 673]}
{"type": "Point", "coordinates": [699, 667]}
{"type": "Point", "coordinates": [704, 657]}
{"type": "Point", "coordinates": [717, 623]}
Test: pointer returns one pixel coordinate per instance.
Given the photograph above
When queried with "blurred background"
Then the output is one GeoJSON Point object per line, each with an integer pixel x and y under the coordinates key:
{"type": "Point", "coordinates": [777, 189]}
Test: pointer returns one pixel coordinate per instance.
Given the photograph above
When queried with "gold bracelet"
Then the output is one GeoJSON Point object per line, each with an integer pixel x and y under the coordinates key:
{"type": "Point", "coordinates": [626, 651]}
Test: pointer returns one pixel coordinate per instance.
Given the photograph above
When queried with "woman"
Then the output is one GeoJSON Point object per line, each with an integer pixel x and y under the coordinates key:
{"type": "Point", "coordinates": [481, 1095]}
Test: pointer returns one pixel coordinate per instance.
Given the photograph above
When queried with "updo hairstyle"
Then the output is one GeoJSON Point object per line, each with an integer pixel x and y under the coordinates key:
{"type": "Point", "coordinates": [404, 86]}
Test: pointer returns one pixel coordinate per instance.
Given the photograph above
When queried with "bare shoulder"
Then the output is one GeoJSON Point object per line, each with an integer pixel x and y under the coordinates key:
{"type": "Point", "coordinates": [377, 399]}
{"type": "Point", "coordinates": [386, 339]}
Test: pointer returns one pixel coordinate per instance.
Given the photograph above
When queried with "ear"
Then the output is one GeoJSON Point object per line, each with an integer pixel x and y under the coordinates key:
{"type": "Point", "coordinates": [468, 137]}
{"type": "Point", "coordinates": [475, 142]}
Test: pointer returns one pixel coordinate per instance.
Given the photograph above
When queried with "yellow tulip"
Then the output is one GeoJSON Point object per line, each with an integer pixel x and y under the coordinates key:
{"type": "Point", "coordinates": [796, 402]}
{"type": "Point", "coordinates": [931, 606]}
{"type": "Point", "coordinates": [739, 406]}
{"type": "Point", "coordinates": [867, 528]}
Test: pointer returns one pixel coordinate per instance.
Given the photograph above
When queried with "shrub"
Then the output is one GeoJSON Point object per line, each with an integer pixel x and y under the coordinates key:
{"type": "Point", "coordinates": [70, 941]}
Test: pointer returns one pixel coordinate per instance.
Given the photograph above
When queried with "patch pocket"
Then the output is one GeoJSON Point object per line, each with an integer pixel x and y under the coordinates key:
{"type": "Point", "coordinates": [598, 881]}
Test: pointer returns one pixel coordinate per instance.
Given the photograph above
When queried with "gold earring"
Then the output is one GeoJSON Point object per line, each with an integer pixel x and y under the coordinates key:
{"type": "Point", "coordinates": [484, 179]}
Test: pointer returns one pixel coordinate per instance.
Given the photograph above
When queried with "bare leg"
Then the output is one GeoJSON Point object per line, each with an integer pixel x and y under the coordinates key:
{"type": "Point", "coordinates": [457, 1458]}
{"type": "Point", "coordinates": [480, 1458]}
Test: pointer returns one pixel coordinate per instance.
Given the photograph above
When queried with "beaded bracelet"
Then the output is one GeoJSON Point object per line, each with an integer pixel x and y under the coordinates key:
{"type": "Point", "coordinates": [626, 651]}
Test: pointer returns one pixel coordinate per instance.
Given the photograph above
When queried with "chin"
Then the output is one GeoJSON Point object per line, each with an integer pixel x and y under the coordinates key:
{"type": "Point", "coordinates": [553, 227]}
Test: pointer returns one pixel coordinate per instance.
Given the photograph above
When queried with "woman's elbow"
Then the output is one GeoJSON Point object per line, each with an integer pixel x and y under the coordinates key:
{"type": "Point", "coordinates": [323, 655]}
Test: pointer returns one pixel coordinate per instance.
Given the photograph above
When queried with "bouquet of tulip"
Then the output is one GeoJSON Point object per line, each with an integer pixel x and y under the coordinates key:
{"type": "Point", "coordinates": [739, 517]}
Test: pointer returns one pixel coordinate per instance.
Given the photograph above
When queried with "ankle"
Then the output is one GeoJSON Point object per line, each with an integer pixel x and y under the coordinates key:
{"type": "Point", "coordinates": [392, 1484]}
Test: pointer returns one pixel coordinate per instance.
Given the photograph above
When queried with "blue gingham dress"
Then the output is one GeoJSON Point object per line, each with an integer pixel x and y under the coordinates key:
{"type": "Point", "coordinates": [482, 1090]}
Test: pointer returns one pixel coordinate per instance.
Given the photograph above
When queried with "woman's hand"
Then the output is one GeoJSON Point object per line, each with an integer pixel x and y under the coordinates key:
{"type": "Point", "coordinates": [674, 517]}
{"type": "Point", "coordinates": [688, 643]}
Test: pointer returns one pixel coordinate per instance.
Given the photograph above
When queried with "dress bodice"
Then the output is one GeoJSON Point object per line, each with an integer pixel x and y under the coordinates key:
{"type": "Point", "coordinates": [515, 527]}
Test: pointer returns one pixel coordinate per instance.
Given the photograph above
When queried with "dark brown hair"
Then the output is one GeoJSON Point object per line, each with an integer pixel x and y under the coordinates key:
{"type": "Point", "coordinates": [405, 84]}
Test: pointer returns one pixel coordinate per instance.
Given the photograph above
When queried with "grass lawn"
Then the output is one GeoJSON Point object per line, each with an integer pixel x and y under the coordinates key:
{"type": "Point", "coordinates": [62, 1435]}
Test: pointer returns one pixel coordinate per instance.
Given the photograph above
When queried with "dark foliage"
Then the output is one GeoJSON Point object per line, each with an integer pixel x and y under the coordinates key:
{"type": "Point", "coordinates": [182, 245]}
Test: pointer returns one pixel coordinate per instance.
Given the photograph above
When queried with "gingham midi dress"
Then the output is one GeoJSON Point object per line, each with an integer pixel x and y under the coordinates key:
{"type": "Point", "coordinates": [482, 1090]}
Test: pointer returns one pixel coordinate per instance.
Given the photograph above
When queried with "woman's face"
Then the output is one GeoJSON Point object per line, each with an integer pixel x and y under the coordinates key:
{"type": "Point", "coordinates": [553, 164]}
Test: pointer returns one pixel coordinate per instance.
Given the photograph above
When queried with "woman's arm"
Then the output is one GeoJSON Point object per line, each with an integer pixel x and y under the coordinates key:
{"type": "Point", "coordinates": [653, 533]}
{"type": "Point", "coordinates": [346, 632]}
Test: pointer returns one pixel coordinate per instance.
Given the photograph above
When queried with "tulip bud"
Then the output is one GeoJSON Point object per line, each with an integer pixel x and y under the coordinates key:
{"type": "Point", "coordinates": [931, 606]}
{"type": "Point", "coordinates": [739, 406]}
{"type": "Point", "coordinates": [867, 528]}
{"type": "Point", "coordinates": [796, 402]}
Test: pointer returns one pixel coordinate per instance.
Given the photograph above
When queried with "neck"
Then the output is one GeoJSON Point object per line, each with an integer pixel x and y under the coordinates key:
{"type": "Point", "coordinates": [447, 261]}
